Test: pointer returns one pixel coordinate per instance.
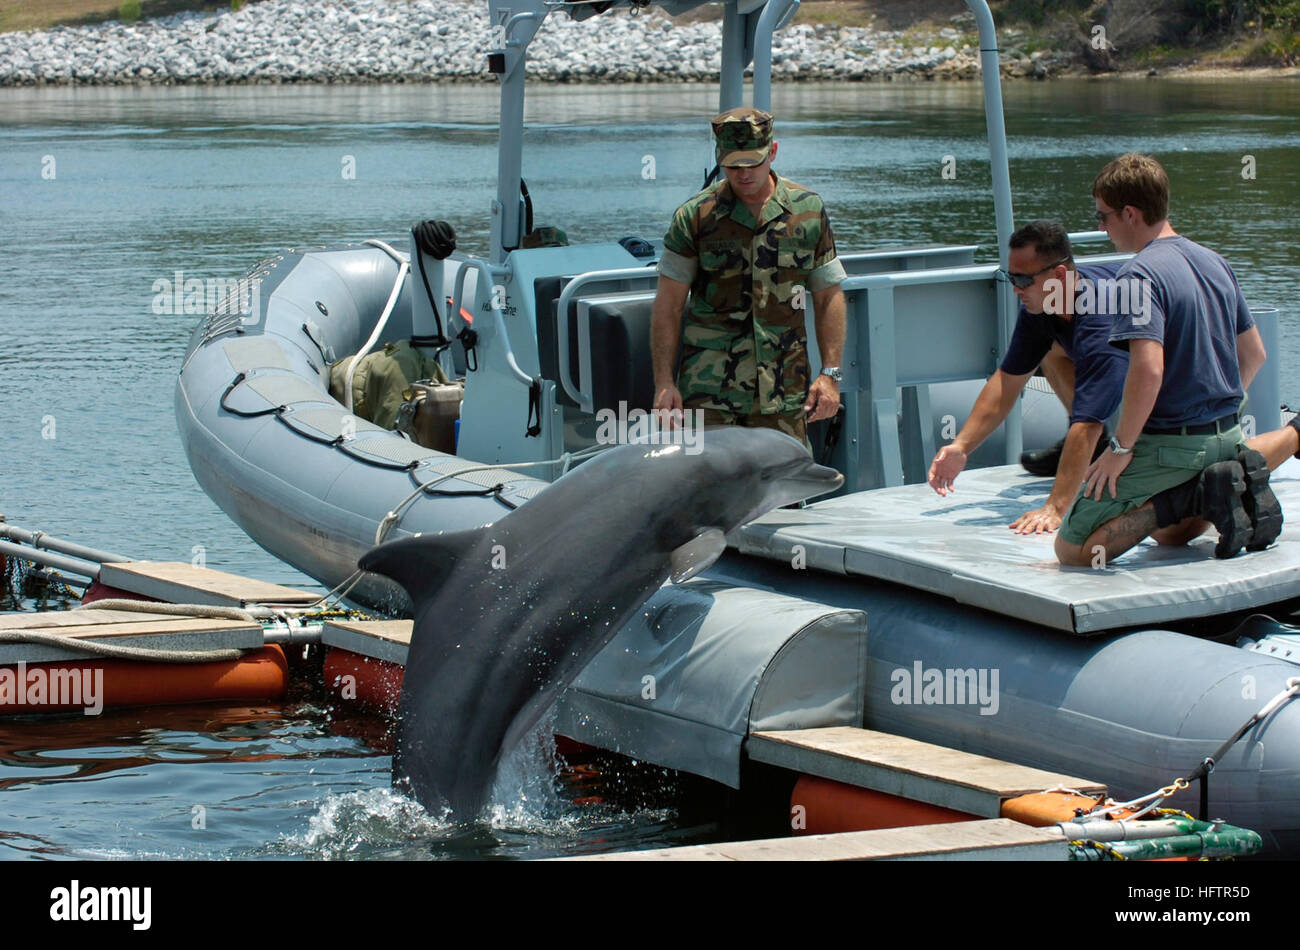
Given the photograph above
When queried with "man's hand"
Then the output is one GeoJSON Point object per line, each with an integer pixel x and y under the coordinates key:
{"type": "Point", "coordinates": [668, 402]}
{"type": "Point", "coordinates": [1104, 473]}
{"type": "Point", "coordinates": [823, 399]}
{"type": "Point", "coordinates": [947, 465]}
{"type": "Point", "coordinates": [1080, 442]}
{"type": "Point", "coordinates": [1042, 520]}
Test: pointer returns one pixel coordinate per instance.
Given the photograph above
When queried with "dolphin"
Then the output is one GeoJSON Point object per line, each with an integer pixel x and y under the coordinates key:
{"type": "Point", "coordinates": [507, 615]}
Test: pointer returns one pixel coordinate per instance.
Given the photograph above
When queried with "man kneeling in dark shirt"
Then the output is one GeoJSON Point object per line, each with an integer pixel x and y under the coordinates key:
{"type": "Point", "coordinates": [1057, 309]}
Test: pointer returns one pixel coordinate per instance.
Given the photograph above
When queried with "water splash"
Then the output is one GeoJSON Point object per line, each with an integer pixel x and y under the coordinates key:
{"type": "Point", "coordinates": [371, 823]}
{"type": "Point", "coordinates": [532, 814]}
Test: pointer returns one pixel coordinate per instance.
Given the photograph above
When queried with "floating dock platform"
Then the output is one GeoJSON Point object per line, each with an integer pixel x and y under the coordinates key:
{"type": "Point", "coordinates": [921, 800]}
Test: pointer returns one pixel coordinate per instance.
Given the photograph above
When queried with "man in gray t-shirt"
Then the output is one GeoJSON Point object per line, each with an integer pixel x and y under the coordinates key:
{"type": "Point", "coordinates": [1177, 461]}
{"type": "Point", "coordinates": [1186, 298]}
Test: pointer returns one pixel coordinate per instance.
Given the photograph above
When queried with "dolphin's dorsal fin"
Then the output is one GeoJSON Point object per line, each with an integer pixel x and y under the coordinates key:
{"type": "Point", "coordinates": [697, 554]}
{"type": "Point", "coordinates": [423, 563]}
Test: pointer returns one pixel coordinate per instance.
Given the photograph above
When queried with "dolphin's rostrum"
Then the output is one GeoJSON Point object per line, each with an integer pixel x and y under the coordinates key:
{"type": "Point", "coordinates": [506, 616]}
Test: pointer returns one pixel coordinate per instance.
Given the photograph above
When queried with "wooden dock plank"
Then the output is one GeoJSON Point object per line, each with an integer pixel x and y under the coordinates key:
{"type": "Point", "coordinates": [75, 618]}
{"type": "Point", "coordinates": [386, 640]}
{"type": "Point", "coordinates": [125, 628]}
{"type": "Point", "coordinates": [997, 839]}
{"type": "Point", "coordinates": [179, 582]}
{"type": "Point", "coordinates": [900, 766]}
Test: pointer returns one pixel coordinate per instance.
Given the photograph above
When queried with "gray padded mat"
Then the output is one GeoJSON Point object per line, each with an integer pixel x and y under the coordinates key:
{"type": "Point", "coordinates": [961, 547]}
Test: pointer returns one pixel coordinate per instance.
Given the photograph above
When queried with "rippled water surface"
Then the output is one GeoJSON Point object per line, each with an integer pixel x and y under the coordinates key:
{"type": "Point", "coordinates": [140, 183]}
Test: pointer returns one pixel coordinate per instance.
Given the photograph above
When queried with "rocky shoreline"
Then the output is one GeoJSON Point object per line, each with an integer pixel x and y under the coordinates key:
{"type": "Point", "coordinates": [291, 41]}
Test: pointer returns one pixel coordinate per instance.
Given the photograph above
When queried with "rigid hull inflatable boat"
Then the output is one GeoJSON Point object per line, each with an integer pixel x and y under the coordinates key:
{"type": "Point", "coordinates": [856, 610]}
{"type": "Point", "coordinates": [306, 478]}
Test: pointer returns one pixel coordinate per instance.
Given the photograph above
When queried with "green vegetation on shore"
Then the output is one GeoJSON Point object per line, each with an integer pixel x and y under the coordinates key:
{"type": "Point", "coordinates": [1098, 35]}
{"type": "Point", "coordinates": [1105, 35]}
{"type": "Point", "coordinates": [26, 15]}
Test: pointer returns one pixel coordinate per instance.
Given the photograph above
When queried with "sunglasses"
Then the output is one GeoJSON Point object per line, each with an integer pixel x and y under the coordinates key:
{"type": "Point", "coordinates": [1024, 280]}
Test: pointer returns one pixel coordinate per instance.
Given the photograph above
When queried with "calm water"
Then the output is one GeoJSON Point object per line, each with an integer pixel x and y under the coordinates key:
{"type": "Point", "coordinates": [147, 182]}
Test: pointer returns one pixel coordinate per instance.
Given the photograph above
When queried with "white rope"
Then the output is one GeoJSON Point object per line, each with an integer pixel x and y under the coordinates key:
{"type": "Point", "coordinates": [1062, 788]}
{"type": "Point", "coordinates": [403, 266]}
{"type": "Point", "coordinates": [187, 610]}
{"type": "Point", "coordinates": [341, 590]}
{"type": "Point", "coordinates": [1292, 688]}
{"type": "Point", "coordinates": [391, 519]}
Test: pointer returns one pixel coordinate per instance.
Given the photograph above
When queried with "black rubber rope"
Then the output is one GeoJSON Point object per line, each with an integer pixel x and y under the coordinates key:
{"type": "Point", "coordinates": [240, 412]}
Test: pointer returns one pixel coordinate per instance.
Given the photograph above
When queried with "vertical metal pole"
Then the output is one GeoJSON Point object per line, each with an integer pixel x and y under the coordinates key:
{"type": "Point", "coordinates": [992, 80]}
{"type": "Point", "coordinates": [731, 82]}
{"type": "Point", "coordinates": [516, 32]}
{"type": "Point", "coordinates": [1000, 170]}
{"type": "Point", "coordinates": [510, 158]}
{"type": "Point", "coordinates": [1266, 391]}
{"type": "Point", "coordinates": [773, 12]}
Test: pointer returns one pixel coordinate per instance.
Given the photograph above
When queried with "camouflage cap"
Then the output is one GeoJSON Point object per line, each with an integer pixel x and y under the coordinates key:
{"type": "Point", "coordinates": [744, 137]}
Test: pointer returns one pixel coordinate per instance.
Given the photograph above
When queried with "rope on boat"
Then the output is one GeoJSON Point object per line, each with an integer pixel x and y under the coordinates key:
{"type": "Point", "coordinates": [338, 593]}
{"type": "Point", "coordinates": [187, 610]}
{"type": "Point", "coordinates": [113, 651]}
{"type": "Point", "coordinates": [21, 578]}
{"type": "Point", "coordinates": [279, 615]}
{"type": "Point", "coordinates": [391, 519]}
{"type": "Point", "coordinates": [1104, 851]}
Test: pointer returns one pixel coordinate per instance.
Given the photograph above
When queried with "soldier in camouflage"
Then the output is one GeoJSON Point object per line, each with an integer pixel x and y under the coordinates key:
{"type": "Point", "coordinates": [749, 250]}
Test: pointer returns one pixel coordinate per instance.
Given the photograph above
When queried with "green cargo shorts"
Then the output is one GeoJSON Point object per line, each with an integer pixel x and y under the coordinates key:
{"type": "Point", "coordinates": [1159, 462]}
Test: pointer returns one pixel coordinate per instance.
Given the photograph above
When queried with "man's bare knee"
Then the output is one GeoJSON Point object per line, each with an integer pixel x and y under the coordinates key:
{"type": "Point", "coordinates": [1071, 555]}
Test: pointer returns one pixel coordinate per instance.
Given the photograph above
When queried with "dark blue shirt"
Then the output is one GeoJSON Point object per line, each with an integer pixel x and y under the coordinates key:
{"type": "Point", "coordinates": [1099, 368]}
{"type": "Point", "coordinates": [1190, 303]}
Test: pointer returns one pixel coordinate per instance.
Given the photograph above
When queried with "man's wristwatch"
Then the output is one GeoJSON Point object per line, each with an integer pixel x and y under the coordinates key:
{"type": "Point", "coordinates": [833, 372]}
{"type": "Point", "coordinates": [1119, 449]}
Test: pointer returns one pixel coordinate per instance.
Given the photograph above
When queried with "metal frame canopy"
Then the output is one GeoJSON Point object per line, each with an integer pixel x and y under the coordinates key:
{"type": "Point", "coordinates": [747, 29]}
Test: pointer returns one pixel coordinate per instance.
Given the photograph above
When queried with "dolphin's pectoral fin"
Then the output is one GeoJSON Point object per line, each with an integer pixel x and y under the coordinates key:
{"type": "Point", "coordinates": [697, 555]}
{"type": "Point", "coordinates": [423, 563]}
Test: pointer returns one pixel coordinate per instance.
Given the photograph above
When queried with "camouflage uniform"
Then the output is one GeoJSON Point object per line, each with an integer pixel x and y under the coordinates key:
{"type": "Point", "coordinates": [744, 347]}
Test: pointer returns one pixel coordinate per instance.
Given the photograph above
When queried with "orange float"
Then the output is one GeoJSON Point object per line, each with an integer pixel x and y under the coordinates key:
{"type": "Point", "coordinates": [820, 806]}
{"type": "Point", "coordinates": [72, 686]}
{"type": "Point", "coordinates": [97, 591]}
{"type": "Point", "coordinates": [1047, 808]}
{"type": "Point", "coordinates": [376, 684]}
